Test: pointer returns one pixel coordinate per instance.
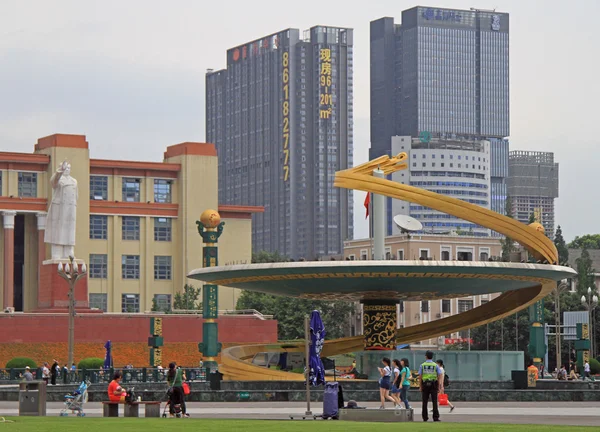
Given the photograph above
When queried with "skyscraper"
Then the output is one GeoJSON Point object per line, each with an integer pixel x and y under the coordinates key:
{"type": "Point", "coordinates": [281, 118]}
{"type": "Point", "coordinates": [443, 73]}
{"type": "Point", "coordinates": [533, 186]}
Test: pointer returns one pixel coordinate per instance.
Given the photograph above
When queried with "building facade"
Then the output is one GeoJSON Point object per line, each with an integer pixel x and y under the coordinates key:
{"type": "Point", "coordinates": [458, 168]}
{"type": "Point", "coordinates": [443, 73]}
{"type": "Point", "coordinates": [281, 117]}
{"type": "Point", "coordinates": [136, 223]}
{"type": "Point", "coordinates": [533, 187]}
{"type": "Point", "coordinates": [436, 248]}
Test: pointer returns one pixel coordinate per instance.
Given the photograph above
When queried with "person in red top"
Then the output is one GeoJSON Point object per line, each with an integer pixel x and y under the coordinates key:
{"type": "Point", "coordinates": [116, 393]}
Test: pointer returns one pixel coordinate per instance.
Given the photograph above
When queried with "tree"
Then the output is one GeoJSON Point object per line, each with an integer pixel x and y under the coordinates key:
{"type": "Point", "coordinates": [508, 245]}
{"type": "Point", "coordinates": [588, 241]}
{"type": "Point", "coordinates": [532, 218]}
{"type": "Point", "coordinates": [268, 257]}
{"type": "Point", "coordinates": [188, 298]}
{"type": "Point", "coordinates": [585, 272]}
{"type": "Point", "coordinates": [290, 312]}
{"type": "Point", "coordinates": [561, 247]}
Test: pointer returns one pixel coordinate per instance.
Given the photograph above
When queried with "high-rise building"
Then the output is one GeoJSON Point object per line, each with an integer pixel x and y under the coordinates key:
{"type": "Point", "coordinates": [533, 186]}
{"type": "Point", "coordinates": [443, 73]}
{"type": "Point", "coordinates": [458, 168]}
{"type": "Point", "coordinates": [281, 117]}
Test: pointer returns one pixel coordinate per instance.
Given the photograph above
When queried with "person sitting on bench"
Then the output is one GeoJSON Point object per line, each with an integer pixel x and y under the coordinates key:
{"type": "Point", "coordinates": [116, 393]}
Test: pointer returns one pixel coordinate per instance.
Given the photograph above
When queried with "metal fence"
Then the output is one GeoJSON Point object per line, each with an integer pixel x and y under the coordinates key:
{"type": "Point", "coordinates": [95, 376]}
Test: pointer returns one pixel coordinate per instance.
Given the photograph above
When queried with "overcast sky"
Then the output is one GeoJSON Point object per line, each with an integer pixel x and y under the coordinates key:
{"type": "Point", "coordinates": [130, 76]}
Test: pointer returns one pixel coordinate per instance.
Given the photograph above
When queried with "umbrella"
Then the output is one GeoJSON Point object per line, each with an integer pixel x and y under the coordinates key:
{"type": "Point", "coordinates": [108, 361]}
{"type": "Point", "coordinates": [317, 335]}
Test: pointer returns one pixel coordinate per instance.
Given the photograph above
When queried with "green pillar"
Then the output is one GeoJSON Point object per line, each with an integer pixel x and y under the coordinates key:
{"type": "Point", "coordinates": [210, 229]}
{"type": "Point", "coordinates": [582, 345]}
{"type": "Point", "coordinates": [537, 344]}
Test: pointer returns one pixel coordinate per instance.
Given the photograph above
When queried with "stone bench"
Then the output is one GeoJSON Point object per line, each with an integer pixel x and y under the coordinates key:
{"type": "Point", "coordinates": [376, 415]}
{"type": "Point", "coordinates": [111, 409]}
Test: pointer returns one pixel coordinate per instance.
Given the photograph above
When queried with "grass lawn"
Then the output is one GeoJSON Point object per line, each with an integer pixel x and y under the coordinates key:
{"type": "Point", "coordinates": [131, 425]}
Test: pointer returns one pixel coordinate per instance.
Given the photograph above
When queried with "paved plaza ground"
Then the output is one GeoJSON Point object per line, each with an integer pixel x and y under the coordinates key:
{"type": "Point", "coordinates": [548, 413]}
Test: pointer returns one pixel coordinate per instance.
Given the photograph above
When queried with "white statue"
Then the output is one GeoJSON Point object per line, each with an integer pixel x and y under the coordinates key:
{"type": "Point", "coordinates": [62, 212]}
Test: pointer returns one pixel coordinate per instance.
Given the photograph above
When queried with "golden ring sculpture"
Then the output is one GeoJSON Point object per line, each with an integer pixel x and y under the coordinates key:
{"type": "Point", "coordinates": [235, 361]}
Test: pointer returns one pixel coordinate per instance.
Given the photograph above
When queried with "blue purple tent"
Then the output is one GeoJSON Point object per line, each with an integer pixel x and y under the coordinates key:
{"type": "Point", "coordinates": [108, 361]}
{"type": "Point", "coordinates": [317, 336]}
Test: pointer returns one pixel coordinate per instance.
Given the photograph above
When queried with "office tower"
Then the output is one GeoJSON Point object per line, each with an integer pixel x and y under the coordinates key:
{"type": "Point", "coordinates": [533, 186]}
{"type": "Point", "coordinates": [458, 168]}
{"type": "Point", "coordinates": [280, 116]}
{"type": "Point", "coordinates": [442, 73]}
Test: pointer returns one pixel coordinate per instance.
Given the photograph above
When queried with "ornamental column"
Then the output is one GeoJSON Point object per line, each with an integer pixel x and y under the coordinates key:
{"type": "Point", "coordinates": [9, 258]}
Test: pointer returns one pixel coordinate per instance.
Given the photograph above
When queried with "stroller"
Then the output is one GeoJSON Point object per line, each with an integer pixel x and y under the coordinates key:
{"type": "Point", "coordinates": [177, 408]}
{"type": "Point", "coordinates": [74, 401]}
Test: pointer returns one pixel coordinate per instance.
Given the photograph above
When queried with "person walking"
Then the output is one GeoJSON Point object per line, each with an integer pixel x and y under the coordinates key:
{"type": "Point", "coordinates": [443, 382]}
{"type": "Point", "coordinates": [430, 375]}
{"type": "Point", "coordinates": [27, 376]}
{"type": "Point", "coordinates": [175, 378]}
{"type": "Point", "coordinates": [405, 376]}
{"type": "Point", "coordinates": [572, 370]}
{"type": "Point", "coordinates": [53, 372]}
{"type": "Point", "coordinates": [586, 370]}
{"type": "Point", "coordinates": [396, 383]}
{"type": "Point", "coordinates": [385, 382]}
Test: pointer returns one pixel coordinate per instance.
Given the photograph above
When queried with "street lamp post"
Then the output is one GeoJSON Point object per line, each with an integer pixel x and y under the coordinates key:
{"type": "Point", "coordinates": [71, 273]}
{"type": "Point", "coordinates": [590, 303]}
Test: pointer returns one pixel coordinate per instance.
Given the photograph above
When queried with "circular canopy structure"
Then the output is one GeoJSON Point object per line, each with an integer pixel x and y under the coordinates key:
{"type": "Point", "coordinates": [392, 280]}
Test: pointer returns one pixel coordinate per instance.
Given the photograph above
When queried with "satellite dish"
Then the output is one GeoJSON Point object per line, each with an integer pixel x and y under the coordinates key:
{"type": "Point", "coordinates": [407, 223]}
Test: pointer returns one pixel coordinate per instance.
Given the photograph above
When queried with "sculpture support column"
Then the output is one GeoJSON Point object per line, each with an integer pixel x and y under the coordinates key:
{"type": "Point", "coordinates": [378, 221]}
{"type": "Point", "coordinates": [379, 323]}
{"type": "Point", "coordinates": [9, 258]}
{"type": "Point", "coordinates": [41, 226]}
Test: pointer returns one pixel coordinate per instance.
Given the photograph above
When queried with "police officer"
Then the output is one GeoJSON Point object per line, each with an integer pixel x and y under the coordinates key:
{"type": "Point", "coordinates": [429, 376]}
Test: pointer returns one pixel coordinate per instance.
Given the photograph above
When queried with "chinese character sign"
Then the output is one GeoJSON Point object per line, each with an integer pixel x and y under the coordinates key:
{"type": "Point", "coordinates": [285, 111]}
{"type": "Point", "coordinates": [325, 81]}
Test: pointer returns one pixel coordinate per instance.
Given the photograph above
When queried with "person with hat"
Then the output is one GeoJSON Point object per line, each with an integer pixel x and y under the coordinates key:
{"type": "Point", "coordinates": [28, 375]}
{"type": "Point", "coordinates": [430, 375]}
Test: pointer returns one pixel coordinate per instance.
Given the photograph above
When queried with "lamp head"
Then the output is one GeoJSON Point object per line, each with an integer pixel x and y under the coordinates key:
{"type": "Point", "coordinates": [583, 299]}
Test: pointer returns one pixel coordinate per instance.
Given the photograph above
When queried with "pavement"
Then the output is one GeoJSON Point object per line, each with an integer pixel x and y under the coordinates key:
{"type": "Point", "coordinates": [552, 413]}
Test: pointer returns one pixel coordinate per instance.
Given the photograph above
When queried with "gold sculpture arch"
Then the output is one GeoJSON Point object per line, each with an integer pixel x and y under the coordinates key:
{"type": "Point", "coordinates": [235, 363]}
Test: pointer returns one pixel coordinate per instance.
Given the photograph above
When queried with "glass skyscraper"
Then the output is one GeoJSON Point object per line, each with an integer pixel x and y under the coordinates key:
{"type": "Point", "coordinates": [281, 118]}
{"type": "Point", "coordinates": [443, 74]}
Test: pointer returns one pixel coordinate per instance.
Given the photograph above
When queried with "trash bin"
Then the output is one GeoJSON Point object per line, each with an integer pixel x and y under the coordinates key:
{"type": "Point", "coordinates": [214, 379]}
{"type": "Point", "coordinates": [32, 398]}
{"type": "Point", "coordinates": [519, 378]}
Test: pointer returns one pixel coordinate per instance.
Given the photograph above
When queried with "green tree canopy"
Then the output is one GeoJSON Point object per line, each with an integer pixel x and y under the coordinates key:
{"type": "Point", "coordinates": [188, 299]}
{"type": "Point", "coordinates": [585, 272]}
{"type": "Point", "coordinates": [588, 241]}
{"type": "Point", "coordinates": [561, 246]}
{"type": "Point", "coordinates": [268, 257]}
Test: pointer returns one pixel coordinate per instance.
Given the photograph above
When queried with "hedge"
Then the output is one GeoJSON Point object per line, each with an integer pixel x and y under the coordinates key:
{"type": "Point", "coordinates": [20, 363]}
{"type": "Point", "coordinates": [91, 363]}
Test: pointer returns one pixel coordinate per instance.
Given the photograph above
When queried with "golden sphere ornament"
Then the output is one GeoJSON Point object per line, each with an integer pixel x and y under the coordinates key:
{"type": "Point", "coordinates": [210, 218]}
{"type": "Point", "coordinates": [538, 227]}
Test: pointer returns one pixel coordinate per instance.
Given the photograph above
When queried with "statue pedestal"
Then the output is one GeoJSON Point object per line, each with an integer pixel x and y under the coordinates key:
{"type": "Point", "coordinates": [53, 291]}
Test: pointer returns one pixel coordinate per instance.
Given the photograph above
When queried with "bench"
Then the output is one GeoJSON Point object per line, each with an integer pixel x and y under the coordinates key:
{"type": "Point", "coordinates": [111, 409]}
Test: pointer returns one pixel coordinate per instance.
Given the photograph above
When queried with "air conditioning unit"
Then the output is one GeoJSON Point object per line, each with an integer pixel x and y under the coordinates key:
{"type": "Point", "coordinates": [438, 315]}
{"type": "Point", "coordinates": [9, 310]}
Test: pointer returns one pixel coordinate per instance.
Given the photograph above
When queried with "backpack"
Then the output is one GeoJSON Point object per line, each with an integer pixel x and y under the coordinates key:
{"type": "Point", "coordinates": [446, 381]}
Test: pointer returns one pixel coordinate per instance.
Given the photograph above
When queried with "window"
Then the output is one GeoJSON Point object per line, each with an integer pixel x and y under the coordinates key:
{"type": "Point", "coordinates": [162, 268]}
{"type": "Point", "coordinates": [130, 303]}
{"type": "Point", "coordinates": [465, 305]}
{"type": "Point", "coordinates": [162, 229]}
{"type": "Point", "coordinates": [424, 254]}
{"type": "Point", "coordinates": [445, 255]}
{"type": "Point", "coordinates": [400, 254]}
{"type": "Point", "coordinates": [424, 306]}
{"type": "Point", "coordinates": [131, 190]}
{"type": "Point", "coordinates": [401, 303]}
{"type": "Point", "coordinates": [484, 302]}
{"type": "Point", "coordinates": [99, 188]}
{"type": "Point", "coordinates": [98, 227]}
{"type": "Point", "coordinates": [352, 257]}
{"type": "Point", "coordinates": [445, 306]}
{"type": "Point", "coordinates": [98, 301]}
{"type": "Point", "coordinates": [484, 256]}
{"type": "Point", "coordinates": [130, 266]}
{"type": "Point", "coordinates": [162, 191]}
{"type": "Point", "coordinates": [464, 256]}
{"type": "Point", "coordinates": [131, 228]}
{"type": "Point", "coordinates": [27, 185]}
{"type": "Point", "coordinates": [98, 268]}
{"type": "Point", "coordinates": [162, 302]}
{"type": "Point", "coordinates": [388, 256]}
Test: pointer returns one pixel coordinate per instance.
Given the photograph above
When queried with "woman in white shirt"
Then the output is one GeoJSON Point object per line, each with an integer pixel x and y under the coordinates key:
{"type": "Point", "coordinates": [385, 382]}
{"type": "Point", "coordinates": [441, 387]}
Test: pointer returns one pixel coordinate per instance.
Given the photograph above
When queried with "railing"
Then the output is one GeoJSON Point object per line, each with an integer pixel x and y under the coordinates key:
{"type": "Point", "coordinates": [251, 313]}
{"type": "Point", "coordinates": [96, 376]}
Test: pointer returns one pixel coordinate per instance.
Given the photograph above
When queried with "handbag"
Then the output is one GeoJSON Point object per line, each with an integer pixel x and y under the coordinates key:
{"type": "Point", "coordinates": [443, 399]}
{"type": "Point", "coordinates": [186, 388]}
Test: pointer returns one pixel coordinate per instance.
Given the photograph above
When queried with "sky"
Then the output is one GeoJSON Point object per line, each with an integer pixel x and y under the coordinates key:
{"type": "Point", "coordinates": [130, 76]}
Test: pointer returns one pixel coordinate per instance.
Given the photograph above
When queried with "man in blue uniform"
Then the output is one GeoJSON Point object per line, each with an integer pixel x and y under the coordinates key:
{"type": "Point", "coordinates": [429, 376]}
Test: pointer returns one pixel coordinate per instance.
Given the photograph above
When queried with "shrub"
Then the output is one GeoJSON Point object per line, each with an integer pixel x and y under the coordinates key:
{"type": "Point", "coordinates": [594, 366]}
{"type": "Point", "coordinates": [91, 363]}
{"type": "Point", "coordinates": [20, 363]}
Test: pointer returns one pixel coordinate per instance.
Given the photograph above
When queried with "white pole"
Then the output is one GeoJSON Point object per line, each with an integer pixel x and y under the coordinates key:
{"type": "Point", "coordinates": [307, 354]}
{"type": "Point", "coordinates": [379, 220]}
